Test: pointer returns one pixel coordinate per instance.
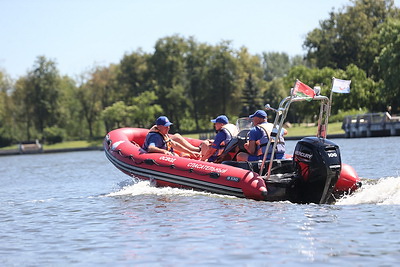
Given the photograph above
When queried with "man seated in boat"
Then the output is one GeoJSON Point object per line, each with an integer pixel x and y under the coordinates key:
{"type": "Point", "coordinates": [259, 136]}
{"type": "Point", "coordinates": [158, 140]}
{"type": "Point", "coordinates": [211, 149]}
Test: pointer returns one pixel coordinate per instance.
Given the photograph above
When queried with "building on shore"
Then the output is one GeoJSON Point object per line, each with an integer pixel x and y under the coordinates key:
{"type": "Point", "coordinates": [371, 125]}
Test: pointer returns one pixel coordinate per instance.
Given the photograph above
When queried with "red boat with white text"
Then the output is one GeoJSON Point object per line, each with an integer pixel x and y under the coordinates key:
{"type": "Point", "coordinates": [314, 174]}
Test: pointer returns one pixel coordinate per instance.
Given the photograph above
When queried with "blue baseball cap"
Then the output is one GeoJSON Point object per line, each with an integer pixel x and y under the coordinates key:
{"type": "Point", "coordinates": [222, 119]}
{"type": "Point", "coordinates": [260, 114]}
{"type": "Point", "coordinates": [164, 121]}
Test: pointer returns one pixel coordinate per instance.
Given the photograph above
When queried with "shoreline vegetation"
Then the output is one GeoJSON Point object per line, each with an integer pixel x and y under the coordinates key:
{"type": "Point", "coordinates": [295, 132]}
{"type": "Point", "coordinates": [182, 76]}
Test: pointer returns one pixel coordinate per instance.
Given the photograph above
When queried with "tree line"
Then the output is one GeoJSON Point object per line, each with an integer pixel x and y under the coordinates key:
{"type": "Point", "coordinates": [192, 82]}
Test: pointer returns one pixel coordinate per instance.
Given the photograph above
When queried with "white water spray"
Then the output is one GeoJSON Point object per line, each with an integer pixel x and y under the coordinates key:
{"type": "Point", "coordinates": [146, 188]}
{"type": "Point", "coordinates": [384, 191]}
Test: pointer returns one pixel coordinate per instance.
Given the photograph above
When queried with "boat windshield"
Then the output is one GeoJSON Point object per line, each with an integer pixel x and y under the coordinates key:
{"type": "Point", "coordinates": [244, 123]}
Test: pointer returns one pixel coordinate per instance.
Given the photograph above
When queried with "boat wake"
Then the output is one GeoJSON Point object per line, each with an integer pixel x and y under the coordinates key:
{"type": "Point", "coordinates": [384, 191]}
{"type": "Point", "coordinates": [140, 187]}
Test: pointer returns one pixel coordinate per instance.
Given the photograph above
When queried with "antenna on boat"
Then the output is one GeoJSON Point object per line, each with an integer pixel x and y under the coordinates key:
{"type": "Point", "coordinates": [325, 112]}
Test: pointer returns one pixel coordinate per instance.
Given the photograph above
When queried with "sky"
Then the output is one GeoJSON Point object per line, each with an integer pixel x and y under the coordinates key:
{"type": "Point", "coordinates": [81, 34]}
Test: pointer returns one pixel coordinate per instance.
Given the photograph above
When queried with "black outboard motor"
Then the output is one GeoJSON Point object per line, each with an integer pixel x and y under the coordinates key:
{"type": "Point", "coordinates": [317, 165]}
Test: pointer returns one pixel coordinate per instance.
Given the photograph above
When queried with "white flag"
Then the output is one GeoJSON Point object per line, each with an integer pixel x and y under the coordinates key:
{"type": "Point", "coordinates": [341, 86]}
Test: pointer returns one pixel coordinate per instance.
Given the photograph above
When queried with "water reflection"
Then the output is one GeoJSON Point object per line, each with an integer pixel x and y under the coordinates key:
{"type": "Point", "coordinates": [57, 214]}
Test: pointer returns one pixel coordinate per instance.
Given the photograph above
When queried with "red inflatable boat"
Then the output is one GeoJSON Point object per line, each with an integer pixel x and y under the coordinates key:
{"type": "Point", "coordinates": [240, 179]}
{"type": "Point", "coordinates": [314, 174]}
{"type": "Point", "coordinates": [123, 149]}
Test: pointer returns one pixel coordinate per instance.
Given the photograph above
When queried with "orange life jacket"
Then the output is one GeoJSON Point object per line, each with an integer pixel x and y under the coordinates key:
{"type": "Point", "coordinates": [166, 138]}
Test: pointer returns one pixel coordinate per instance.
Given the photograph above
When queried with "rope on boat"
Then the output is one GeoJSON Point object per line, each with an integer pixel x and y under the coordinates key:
{"type": "Point", "coordinates": [214, 175]}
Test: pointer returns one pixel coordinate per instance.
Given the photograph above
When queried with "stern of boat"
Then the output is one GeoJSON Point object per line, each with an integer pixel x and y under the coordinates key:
{"type": "Point", "coordinates": [317, 164]}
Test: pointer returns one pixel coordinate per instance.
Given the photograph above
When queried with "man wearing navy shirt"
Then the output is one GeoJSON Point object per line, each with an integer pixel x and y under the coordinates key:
{"type": "Point", "coordinates": [159, 141]}
{"type": "Point", "coordinates": [259, 136]}
{"type": "Point", "coordinates": [211, 149]}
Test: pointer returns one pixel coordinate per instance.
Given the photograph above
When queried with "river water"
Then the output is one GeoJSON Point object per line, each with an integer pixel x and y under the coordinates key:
{"type": "Point", "coordinates": [76, 209]}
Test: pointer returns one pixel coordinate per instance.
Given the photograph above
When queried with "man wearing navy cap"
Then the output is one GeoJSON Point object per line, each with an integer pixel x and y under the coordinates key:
{"type": "Point", "coordinates": [259, 136]}
{"type": "Point", "coordinates": [159, 141]}
{"type": "Point", "coordinates": [211, 149]}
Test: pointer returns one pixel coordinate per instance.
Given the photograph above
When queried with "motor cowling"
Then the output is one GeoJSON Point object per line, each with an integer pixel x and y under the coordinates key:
{"type": "Point", "coordinates": [317, 164]}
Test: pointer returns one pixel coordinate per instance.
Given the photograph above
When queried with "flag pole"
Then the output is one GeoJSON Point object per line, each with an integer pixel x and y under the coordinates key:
{"type": "Point", "coordinates": [330, 98]}
{"type": "Point", "coordinates": [292, 93]}
{"type": "Point", "coordinates": [328, 114]}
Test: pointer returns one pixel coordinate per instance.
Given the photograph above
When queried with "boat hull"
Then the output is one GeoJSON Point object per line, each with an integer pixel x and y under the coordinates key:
{"type": "Point", "coordinates": [166, 170]}
{"type": "Point", "coordinates": [239, 179]}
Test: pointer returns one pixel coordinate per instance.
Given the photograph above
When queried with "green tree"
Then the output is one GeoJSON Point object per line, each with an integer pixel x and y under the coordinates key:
{"type": "Point", "coordinates": [364, 91]}
{"type": "Point", "coordinates": [144, 110]}
{"type": "Point", "coordinates": [90, 105]}
{"type": "Point", "coordinates": [23, 114]}
{"type": "Point", "coordinates": [98, 90]}
{"type": "Point", "coordinates": [388, 62]}
{"type": "Point", "coordinates": [275, 65]}
{"type": "Point", "coordinates": [197, 65]}
{"type": "Point", "coordinates": [133, 76]}
{"type": "Point", "coordinates": [275, 92]}
{"type": "Point", "coordinates": [180, 109]}
{"type": "Point", "coordinates": [346, 37]}
{"type": "Point", "coordinates": [298, 60]}
{"type": "Point", "coordinates": [250, 78]}
{"type": "Point", "coordinates": [168, 67]}
{"type": "Point", "coordinates": [251, 97]}
{"type": "Point", "coordinates": [6, 116]}
{"type": "Point", "coordinates": [42, 90]}
{"type": "Point", "coordinates": [73, 122]}
{"type": "Point", "coordinates": [224, 92]}
{"type": "Point", "coordinates": [116, 114]}
{"type": "Point", "coordinates": [141, 114]}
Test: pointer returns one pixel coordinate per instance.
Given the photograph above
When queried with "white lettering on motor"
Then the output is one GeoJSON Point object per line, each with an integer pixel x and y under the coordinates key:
{"type": "Point", "coordinates": [206, 167]}
{"type": "Point", "coordinates": [334, 166]}
{"type": "Point", "coordinates": [302, 154]}
{"type": "Point", "coordinates": [332, 155]}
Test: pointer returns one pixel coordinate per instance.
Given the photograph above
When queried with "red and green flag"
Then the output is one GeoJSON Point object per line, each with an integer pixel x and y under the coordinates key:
{"type": "Point", "coordinates": [302, 90]}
